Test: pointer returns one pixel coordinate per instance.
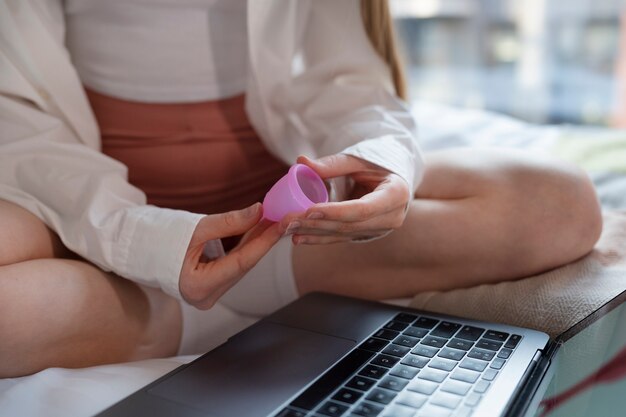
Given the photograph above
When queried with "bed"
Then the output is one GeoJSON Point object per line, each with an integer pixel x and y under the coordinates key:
{"type": "Point", "coordinates": [600, 276]}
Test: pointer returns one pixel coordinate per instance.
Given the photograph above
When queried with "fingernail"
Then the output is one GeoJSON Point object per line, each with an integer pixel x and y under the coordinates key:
{"type": "Point", "coordinates": [293, 226]}
{"type": "Point", "coordinates": [315, 215]}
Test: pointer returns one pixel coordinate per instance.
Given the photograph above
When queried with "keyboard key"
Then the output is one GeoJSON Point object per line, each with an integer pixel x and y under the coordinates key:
{"type": "Point", "coordinates": [446, 400]}
{"type": "Point", "coordinates": [490, 374]}
{"type": "Point", "coordinates": [481, 386]}
{"type": "Point", "coordinates": [347, 395]}
{"type": "Point", "coordinates": [397, 410]}
{"type": "Point", "coordinates": [433, 341]}
{"type": "Point", "coordinates": [443, 364]}
{"type": "Point", "coordinates": [465, 375]}
{"type": "Point", "coordinates": [483, 355]}
{"type": "Point", "coordinates": [290, 412]}
{"type": "Point", "coordinates": [470, 333]}
{"type": "Point", "coordinates": [393, 383]}
{"type": "Point", "coordinates": [473, 364]}
{"type": "Point", "coordinates": [381, 396]}
{"type": "Point", "coordinates": [403, 371]}
{"type": "Point", "coordinates": [460, 344]}
{"type": "Point", "coordinates": [473, 399]}
{"type": "Point", "coordinates": [373, 371]}
{"type": "Point", "coordinates": [333, 409]}
{"type": "Point", "coordinates": [385, 360]}
{"type": "Point", "coordinates": [405, 317]}
{"type": "Point", "coordinates": [386, 334]}
{"type": "Point", "coordinates": [445, 329]}
{"type": "Point", "coordinates": [421, 386]}
{"type": "Point", "coordinates": [513, 341]}
{"type": "Point", "coordinates": [453, 354]}
{"type": "Point", "coordinates": [331, 379]}
{"type": "Point", "coordinates": [361, 383]}
{"type": "Point", "coordinates": [497, 363]}
{"type": "Point", "coordinates": [415, 332]}
{"type": "Point", "coordinates": [504, 353]}
{"type": "Point", "coordinates": [494, 335]}
{"type": "Point", "coordinates": [433, 411]}
{"type": "Point", "coordinates": [425, 351]}
{"type": "Point", "coordinates": [415, 361]}
{"type": "Point", "coordinates": [396, 350]}
{"type": "Point", "coordinates": [374, 345]}
{"type": "Point", "coordinates": [412, 399]}
{"type": "Point", "coordinates": [425, 323]}
{"type": "Point", "coordinates": [396, 325]}
{"type": "Point", "coordinates": [488, 344]}
{"type": "Point", "coordinates": [367, 409]}
{"type": "Point", "coordinates": [432, 375]}
{"type": "Point", "coordinates": [406, 341]}
{"type": "Point", "coordinates": [463, 411]}
{"type": "Point", "coordinates": [456, 387]}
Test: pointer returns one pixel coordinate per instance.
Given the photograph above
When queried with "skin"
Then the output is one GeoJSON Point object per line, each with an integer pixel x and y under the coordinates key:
{"type": "Point", "coordinates": [477, 217]}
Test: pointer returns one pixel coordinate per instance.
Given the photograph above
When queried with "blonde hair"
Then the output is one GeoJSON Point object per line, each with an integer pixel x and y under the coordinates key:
{"type": "Point", "coordinates": [379, 28]}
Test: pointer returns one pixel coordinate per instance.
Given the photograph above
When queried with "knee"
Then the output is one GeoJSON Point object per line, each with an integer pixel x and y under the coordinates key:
{"type": "Point", "coordinates": [561, 208]}
{"type": "Point", "coordinates": [25, 237]}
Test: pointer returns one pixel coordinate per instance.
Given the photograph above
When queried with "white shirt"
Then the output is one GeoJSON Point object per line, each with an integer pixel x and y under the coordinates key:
{"type": "Point", "coordinates": [340, 100]}
{"type": "Point", "coordinates": [159, 50]}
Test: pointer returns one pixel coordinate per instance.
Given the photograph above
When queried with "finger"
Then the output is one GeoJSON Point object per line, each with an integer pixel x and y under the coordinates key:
{"type": "Point", "coordinates": [334, 165]}
{"type": "Point", "coordinates": [391, 220]}
{"type": "Point", "coordinates": [241, 259]}
{"type": "Point", "coordinates": [231, 223]}
{"type": "Point", "coordinates": [325, 240]}
{"type": "Point", "coordinates": [319, 240]}
{"type": "Point", "coordinates": [350, 234]}
{"type": "Point", "coordinates": [382, 200]}
{"type": "Point", "coordinates": [255, 232]}
{"type": "Point", "coordinates": [390, 194]}
{"type": "Point", "coordinates": [209, 281]}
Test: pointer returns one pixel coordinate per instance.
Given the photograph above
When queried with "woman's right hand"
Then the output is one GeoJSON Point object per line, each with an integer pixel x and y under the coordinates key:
{"type": "Point", "coordinates": [202, 281]}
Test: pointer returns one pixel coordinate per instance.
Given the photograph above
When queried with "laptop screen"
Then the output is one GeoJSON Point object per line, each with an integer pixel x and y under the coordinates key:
{"type": "Point", "coordinates": [590, 367]}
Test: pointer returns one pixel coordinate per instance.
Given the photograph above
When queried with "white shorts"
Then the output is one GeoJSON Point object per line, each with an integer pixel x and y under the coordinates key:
{"type": "Point", "coordinates": [266, 288]}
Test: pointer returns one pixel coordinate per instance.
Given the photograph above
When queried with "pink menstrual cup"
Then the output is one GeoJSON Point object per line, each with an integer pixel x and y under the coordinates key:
{"type": "Point", "coordinates": [298, 190]}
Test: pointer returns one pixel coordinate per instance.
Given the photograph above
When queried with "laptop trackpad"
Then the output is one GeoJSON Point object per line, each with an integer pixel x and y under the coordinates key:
{"type": "Point", "coordinates": [254, 372]}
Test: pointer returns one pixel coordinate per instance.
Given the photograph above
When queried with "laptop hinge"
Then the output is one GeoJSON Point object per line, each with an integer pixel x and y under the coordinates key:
{"type": "Point", "coordinates": [531, 382]}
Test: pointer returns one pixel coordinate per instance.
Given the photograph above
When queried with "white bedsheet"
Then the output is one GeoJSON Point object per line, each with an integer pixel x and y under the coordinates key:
{"type": "Point", "coordinates": [59, 392]}
{"type": "Point", "coordinates": [83, 392]}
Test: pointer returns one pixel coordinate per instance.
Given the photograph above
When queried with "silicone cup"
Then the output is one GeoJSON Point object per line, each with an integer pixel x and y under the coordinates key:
{"type": "Point", "coordinates": [295, 192]}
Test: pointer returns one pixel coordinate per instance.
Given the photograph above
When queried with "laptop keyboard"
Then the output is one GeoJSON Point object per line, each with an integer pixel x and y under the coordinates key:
{"type": "Point", "coordinates": [413, 366]}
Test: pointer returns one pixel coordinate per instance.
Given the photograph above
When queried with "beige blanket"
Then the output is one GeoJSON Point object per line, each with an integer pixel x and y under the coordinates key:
{"type": "Point", "coordinates": [551, 302]}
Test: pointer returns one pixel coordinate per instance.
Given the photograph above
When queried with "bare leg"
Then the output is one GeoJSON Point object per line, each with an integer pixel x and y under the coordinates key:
{"type": "Point", "coordinates": [65, 312]}
{"type": "Point", "coordinates": [478, 217]}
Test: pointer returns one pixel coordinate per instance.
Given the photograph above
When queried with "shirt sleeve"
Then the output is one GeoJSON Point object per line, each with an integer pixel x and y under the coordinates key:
{"type": "Point", "coordinates": [342, 98]}
{"type": "Point", "coordinates": [82, 194]}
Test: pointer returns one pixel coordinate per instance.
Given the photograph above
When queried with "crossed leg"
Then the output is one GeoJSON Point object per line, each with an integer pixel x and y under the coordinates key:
{"type": "Point", "coordinates": [478, 217]}
{"type": "Point", "coordinates": [57, 310]}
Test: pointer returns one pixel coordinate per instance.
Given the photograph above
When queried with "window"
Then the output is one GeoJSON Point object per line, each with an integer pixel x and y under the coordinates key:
{"type": "Point", "coordinates": [545, 61]}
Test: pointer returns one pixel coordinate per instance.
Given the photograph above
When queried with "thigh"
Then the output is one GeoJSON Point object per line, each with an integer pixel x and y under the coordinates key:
{"type": "Point", "coordinates": [25, 237]}
{"type": "Point", "coordinates": [50, 302]}
{"type": "Point", "coordinates": [69, 313]}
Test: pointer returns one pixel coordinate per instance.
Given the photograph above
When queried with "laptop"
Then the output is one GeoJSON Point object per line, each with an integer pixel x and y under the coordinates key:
{"type": "Point", "coordinates": [327, 356]}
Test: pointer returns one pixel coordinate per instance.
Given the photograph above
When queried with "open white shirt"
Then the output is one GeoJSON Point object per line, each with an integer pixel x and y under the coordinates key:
{"type": "Point", "coordinates": [338, 99]}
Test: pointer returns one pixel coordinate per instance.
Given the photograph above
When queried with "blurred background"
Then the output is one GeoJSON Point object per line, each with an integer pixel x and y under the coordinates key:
{"type": "Point", "coordinates": [543, 61]}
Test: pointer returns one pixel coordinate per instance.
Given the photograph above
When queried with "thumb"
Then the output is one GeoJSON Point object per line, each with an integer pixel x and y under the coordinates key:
{"type": "Point", "coordinates": [231, 223]}
{"type": "Point", "coordinates": [332, 165]}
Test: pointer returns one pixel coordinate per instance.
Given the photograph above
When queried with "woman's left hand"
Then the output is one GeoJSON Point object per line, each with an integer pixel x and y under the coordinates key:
{"type": "Point", "coordinates": [377, 206]}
